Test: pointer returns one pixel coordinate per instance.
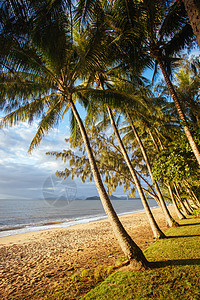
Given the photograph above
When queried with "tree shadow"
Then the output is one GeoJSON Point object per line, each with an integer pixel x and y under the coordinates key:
{"type": "Point", "coordinates": [188, 224]}
{"type": "Point", "coordinates": [175, 262]}
{"type": "Point", "coordinates": [181, 236]}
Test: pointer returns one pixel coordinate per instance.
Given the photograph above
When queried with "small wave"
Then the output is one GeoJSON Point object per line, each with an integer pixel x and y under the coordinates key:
{"type": "Point", "coordinates": [57, 223]}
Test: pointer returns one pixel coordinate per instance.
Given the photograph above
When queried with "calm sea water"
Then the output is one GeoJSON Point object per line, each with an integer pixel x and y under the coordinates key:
{"type": "Point", "coordinates": [19, 216]}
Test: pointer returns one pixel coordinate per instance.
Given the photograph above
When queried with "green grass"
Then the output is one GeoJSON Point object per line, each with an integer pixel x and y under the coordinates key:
{"type": "Point", "coordinates": [176, 273]}
{"type": "Point", "coordinates": [78, 284]}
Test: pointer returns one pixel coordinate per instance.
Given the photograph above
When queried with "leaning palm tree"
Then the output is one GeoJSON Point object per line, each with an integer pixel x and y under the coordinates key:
{"type": "Point", "coordinates": [43, 60]}
{"type": "Point", "coordinates": [157, 30]}
{"type": "Point", "coordinates": [193, 10]}
{"type": "Point", "coordinates": [170, 221]}
{"type": "Point", "coordinates": [100, 80]}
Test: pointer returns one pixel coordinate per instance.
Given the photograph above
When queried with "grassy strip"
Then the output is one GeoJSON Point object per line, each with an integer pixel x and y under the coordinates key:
{"type": "Point", "coordinates": [81, 282]}
{"type": "Point", "coordinates": [176, 274]}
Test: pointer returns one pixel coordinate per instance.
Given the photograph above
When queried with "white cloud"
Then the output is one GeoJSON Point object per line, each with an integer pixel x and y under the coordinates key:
{"type": "Point", "coordinates": [22, 175]}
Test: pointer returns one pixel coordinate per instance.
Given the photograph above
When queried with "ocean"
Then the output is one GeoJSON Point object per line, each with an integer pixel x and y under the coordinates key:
{"type": "Point", "coordinates": [21, 216]}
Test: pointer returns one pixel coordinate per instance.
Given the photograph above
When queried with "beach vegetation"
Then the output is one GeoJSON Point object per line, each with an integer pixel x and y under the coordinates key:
{"type": "Point", "coordinates": [176, 274]}
{"type": "Point", "coordinates": [76, 285]}
{"type": "Point", "coordinates": [196, 212]}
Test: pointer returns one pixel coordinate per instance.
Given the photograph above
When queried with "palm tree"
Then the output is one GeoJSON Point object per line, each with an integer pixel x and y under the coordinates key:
{"type": "Point", "coordinates": [192, 8]}
{"type": "Point", "coordinates": [41, 62]}
{"type": "Point", "coordinates": [170, 221]}
{"type": "Point", "coordinates": [156, 230]}
{"type": "Point", "coordinates": [156, 30]}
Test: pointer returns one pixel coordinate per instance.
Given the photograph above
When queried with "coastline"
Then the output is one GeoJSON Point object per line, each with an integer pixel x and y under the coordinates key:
{"type": "Point", "coordinates": [59, 224]}
{"type": "Point", "coordinates": [36, 261]}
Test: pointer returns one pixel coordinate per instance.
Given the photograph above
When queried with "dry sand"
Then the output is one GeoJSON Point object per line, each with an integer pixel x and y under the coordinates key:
{"type": "Point", "coordinates": [36, 261]}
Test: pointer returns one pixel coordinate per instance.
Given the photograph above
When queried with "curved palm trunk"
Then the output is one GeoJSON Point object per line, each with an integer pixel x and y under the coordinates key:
{"type": "Point", "coordinates": [188, 206]}
{"type": "Point", "coordinates": [129, 247]}
{"type": "Point", "coordinates": [170, 221]}
{"type": "Point", "coordinates": [193, 10]}
{"type": "Point", "coordinates": [178, 212]}
{"type": "Point", "coordinates": [196, 199]}
{"type": "Point", "coordinates": [156, 230]}
{"type": "Point", "coordinates": [153, 139]}
{"type": "Point", "coordinates": [191, 192]}
{"type": "Point", "coordinates": [152, 193]}
{"type": "Point", "coordinates": [193, 199]}
{"type": "Point", "coordinates": [186, 202]}
{"type": "Point", "coordinates": [179, 110]}
{"type": "Point", "coordinates": [184, 209]}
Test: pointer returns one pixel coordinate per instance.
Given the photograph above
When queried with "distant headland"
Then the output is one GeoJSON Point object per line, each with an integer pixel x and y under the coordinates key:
{"type": "Point", "coordinates": [112, 197]}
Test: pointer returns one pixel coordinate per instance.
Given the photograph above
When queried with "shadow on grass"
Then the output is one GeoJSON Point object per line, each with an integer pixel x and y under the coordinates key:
{"type": "Point", "coordinates": [181, 236]}
{"type": "Point", "coordinates": [189, 224]}
{"type": "Point", "coordinates": [175, 262]}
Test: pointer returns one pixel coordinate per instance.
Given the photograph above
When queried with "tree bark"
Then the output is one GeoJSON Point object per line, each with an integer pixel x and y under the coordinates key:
{"type": "Point", "coordinates": [129, 247]}
{"type": "Point", "coordinates": [188, 206]}
{"type": "Point", "coordinates": [179, 110]}
{"type": "Point", "coordinates": [186, 202]}
{"type": "Point", "coordinates": [153, 139]}
{"type": "Point", "coordinates": [170, 221]}
{"type": "Point", "coordinates": [191, 192]}
{"type": "Point", "coordinates": [184, 208]}
{"type": "Point", "coordinates": [156, 230]}
{"type": "Point", "coordinates": [193, 196]}
{"type": "Point", "coordinates": [178, 212]}
{"type": "Point", "coordinates": [193, 11]}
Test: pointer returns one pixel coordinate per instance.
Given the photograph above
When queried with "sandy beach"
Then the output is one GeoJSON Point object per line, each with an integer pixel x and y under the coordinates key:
{"type": "Point", "coordinates": [37, 261]}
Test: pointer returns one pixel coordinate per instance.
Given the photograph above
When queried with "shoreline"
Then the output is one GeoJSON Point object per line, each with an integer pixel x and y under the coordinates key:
{"type": "Point", "coordinates": [21, 229]}
{"type": "Point", "coordinates": [33, 263]}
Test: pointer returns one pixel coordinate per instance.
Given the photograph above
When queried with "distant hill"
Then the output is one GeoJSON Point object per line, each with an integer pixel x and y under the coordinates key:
{"type": "Point", "coordinates": [112, 197]}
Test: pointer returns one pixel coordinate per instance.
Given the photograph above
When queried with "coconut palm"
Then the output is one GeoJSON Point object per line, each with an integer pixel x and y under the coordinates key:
{"type": "Point", "coordinates": [157, 30]}
{"type": "Point", "coordinates": [193, 10]}
{"type": "Point", "coordinates": [42, 58]}
{"type": "Point", "coordinates": [100, 80]}
{"type": "Point", "coordinates": [170, 221]}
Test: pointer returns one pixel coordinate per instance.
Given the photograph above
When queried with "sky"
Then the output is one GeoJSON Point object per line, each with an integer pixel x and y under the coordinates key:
{"type": "Point", "coordinates": [22, 175]}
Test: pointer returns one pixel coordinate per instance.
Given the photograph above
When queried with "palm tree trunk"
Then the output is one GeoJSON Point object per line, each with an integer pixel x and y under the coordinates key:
{"type": "Point", "coordinates": [188, 206]}
{"type": "Point", "coordinates": [153, 139]}
{"type": "Point", "coordinates": [129, 247]}
{"type": "Point", "coordinates": [170, 221]}
{"type": "Point", "coordinates": [186, 203]}
{"type": "Point", "coordinates": [193, 10]}
{"type": "Point", "coordinates": [197, 203]}
{"type": "Point", "coordinates": [180, 111]}
{"type": "Point", "coordinates": [193, 197]}
{"type": "Point", "coordinates": [178, 212]}
{"type": "Point", "coordinates": [184, 209]}
{"type": "Point", "coordinates": [191, 192]}
{"type": "Point", "coordinates": [152, 193]}
{"type": "Point", "coordinates": [156, 230]}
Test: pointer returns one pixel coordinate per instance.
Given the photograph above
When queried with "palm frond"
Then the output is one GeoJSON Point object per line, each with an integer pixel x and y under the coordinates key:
{"type": "Point", "coordinates": [28, 111]}
{"type": "Point", "coordinates": [49, 120]}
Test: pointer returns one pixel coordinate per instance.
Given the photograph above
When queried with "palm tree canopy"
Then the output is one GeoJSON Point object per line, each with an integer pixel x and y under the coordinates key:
{"type": "Point", "coordinates": [42, 57]}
